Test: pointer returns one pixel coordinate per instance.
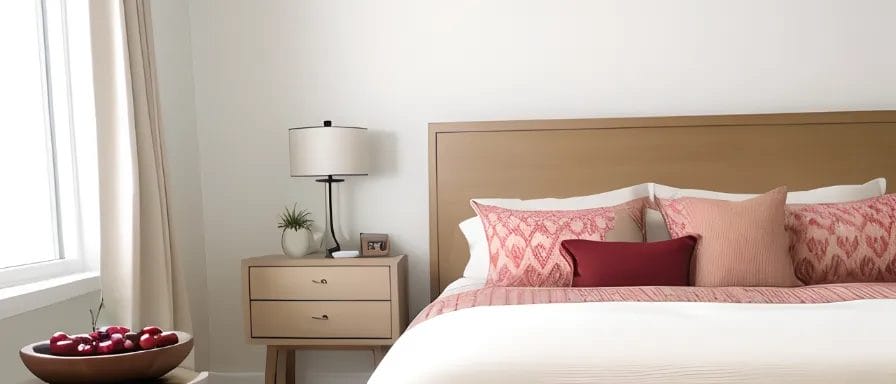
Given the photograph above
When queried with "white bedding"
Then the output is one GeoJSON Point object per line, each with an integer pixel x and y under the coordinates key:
{"type": "Point", "coordinates": [462, 285]}
{"type": "Point", "coordinates": [632, 342]}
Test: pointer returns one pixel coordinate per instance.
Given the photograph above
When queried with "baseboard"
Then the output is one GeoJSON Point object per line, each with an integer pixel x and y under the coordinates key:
{"type": "Point", "coordinates": [310, 378]}
{"type": "Point", "coordinates": [235, 378]}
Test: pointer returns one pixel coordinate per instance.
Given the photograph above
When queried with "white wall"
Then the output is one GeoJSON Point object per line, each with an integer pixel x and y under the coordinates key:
{"type": "Point", "coordinates": [395, 65]}
{"type": "Point", "coordinates": [70, 316]}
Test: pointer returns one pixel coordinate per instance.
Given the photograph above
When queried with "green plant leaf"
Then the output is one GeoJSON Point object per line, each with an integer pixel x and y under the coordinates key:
{"type": "Point", "coordinates": [294, 219]}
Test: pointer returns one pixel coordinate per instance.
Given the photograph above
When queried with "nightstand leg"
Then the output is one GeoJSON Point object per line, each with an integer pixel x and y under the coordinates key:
{"type": "Point", "coordinates": [270, 370]}
{"type": "Point", "coordinates": [291, 366]}
{"type": "Point", "coordinates": [378, 353]}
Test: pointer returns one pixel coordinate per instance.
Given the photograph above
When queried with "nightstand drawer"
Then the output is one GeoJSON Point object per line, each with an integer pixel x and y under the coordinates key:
{"type": "Point", "coordinates": [322, 319]}
{"type": "Point", "coordinates": [319, 283]}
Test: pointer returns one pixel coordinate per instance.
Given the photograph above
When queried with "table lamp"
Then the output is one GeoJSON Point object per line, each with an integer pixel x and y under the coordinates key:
{"type": "Point", "coordinates": [327, 151]}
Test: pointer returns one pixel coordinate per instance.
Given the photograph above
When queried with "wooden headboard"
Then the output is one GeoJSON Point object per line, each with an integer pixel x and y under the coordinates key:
{"type": "Point", "coordinates": [561, 158]}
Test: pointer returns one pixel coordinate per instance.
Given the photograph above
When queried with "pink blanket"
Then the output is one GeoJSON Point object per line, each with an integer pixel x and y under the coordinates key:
{"type": "Point", "coordinates": [814, 294]}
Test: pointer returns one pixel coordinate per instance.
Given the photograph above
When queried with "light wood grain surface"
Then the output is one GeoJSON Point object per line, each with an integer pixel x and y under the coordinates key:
{"type": "Point", "coordinates": [315, 302]}
{"type": "Point", "coordinates": [320, 283]}
{"type": "Point", "coordinates": [365, 300]}
{"type": "Point", "coordinates": [322, 319]}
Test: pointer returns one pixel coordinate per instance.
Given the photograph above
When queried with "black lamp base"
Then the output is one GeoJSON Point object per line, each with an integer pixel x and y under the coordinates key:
{"type": "Point", "coordinates": [330, 180]}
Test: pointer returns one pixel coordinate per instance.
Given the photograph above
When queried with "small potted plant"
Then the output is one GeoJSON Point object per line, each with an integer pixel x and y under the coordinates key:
{"type": "Point", "coordinates": [296, 237]}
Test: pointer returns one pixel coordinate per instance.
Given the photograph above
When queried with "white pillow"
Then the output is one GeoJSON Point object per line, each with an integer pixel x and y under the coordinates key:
{"type": "Point", "coordinates": [474, 232]}
{"type": "Point", "coordinates": [656, 226]}
{"type": "Point", "coordinates": [477, 266]}
{"type": "Point", "coordinates": [832, 194]}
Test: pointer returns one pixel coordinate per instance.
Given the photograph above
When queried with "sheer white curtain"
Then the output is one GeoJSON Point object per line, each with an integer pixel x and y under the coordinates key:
{"type": "Point", "coordinates": [142, 277]}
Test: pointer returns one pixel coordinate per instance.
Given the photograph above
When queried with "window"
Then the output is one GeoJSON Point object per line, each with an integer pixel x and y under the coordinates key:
{"type": "Point", "coordinates": [40, 229]}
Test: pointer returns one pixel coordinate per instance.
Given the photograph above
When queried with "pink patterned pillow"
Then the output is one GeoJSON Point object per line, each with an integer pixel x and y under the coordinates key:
{"type": "Point", "coordinates": [524, 246]}
{"type": "Point", "coordinates": [844, 242]}
{"type": "Point", "coordinates": [740, 243]}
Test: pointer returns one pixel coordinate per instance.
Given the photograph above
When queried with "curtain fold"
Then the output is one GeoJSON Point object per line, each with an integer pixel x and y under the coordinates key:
{"type": "Point", "coordinates": [143, 282]}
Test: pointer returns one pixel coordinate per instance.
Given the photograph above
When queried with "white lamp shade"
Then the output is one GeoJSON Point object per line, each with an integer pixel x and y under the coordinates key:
{"type": "Point", "coordinates": [324, 151]}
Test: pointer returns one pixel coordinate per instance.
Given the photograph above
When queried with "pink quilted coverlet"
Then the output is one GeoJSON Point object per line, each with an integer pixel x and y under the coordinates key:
{"type": "Point", "coordinates": [814, 294]}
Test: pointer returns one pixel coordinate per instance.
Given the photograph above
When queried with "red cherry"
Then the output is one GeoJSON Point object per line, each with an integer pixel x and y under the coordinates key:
{"type": "Point", "coordinates": [132, 337]}
{"type": "Point", "coordinates": [116, 329]}
{"type": "Point", "coordinates": [86, 349]}
{"type": "Point", "coordinates": [117, 338]}
{"type": "Point", "coordinates": [82, 339]}
{"type": "Point", "coordinates": [147, 341]}
{"type": "Point", "coordinates": [104, 348]}
{"type": "Point", "coordinates": [59, 336]}
{"type": "Point", "coordinates": [64, 348]}
{"type": "Point", "coordinates": [130, 345]}
{"type": "Point", "coordinates": [109, 347]}
{"type": "Point", "coordinates": [152, 330]}
{"type": "Point", "coordinates": [166, 339]}
{"type": "Point", "coordinates": [99, 335]}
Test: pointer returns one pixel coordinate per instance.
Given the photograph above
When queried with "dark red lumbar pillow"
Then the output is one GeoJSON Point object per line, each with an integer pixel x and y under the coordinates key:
{"type": "Point", "coordinates": [618, 264]}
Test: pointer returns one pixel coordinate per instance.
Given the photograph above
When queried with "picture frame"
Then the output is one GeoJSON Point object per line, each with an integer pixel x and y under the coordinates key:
{"type": "Point", "coordinates": [374, 244]}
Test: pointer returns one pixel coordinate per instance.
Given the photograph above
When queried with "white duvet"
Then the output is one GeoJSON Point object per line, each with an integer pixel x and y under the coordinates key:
{"type": "Point", "coordinates": [631, 342]}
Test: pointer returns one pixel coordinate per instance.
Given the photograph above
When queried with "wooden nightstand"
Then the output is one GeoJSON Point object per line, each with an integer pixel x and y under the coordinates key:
{"type": "Point", "coordinates": [319, 303]}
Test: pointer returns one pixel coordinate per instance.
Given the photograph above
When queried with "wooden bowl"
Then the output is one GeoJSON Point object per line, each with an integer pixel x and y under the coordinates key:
{"type": "Point", "coordinates": [131, 366]}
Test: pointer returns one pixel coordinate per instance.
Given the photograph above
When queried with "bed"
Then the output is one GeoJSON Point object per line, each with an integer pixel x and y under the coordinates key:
{"type": "Point", "coordinates": [813, 334]}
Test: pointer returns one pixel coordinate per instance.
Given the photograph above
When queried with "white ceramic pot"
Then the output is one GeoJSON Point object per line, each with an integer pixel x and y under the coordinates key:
{"type": "Point", "coordinates": [296, 243]}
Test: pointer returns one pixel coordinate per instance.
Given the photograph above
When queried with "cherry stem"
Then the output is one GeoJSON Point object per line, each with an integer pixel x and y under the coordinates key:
{"type": "Point", "coordinates": [95, 318]}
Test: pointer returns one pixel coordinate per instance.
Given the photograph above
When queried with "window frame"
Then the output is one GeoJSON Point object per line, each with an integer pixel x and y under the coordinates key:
{"type": "Point", "coordinates": [71, 256]}
{"type": "Point", "coordinates": [44, 270]}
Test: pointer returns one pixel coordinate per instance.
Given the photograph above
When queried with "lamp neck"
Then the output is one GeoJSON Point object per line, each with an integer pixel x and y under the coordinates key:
{"type": "Point", "coordinates": [330, 180]}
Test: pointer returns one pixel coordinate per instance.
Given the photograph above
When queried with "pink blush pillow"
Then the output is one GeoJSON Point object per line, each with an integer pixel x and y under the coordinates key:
{"type": "Point", "coordinates": [740, 243]}
{"type": "Point", "coordinates": [524, 246]}
{"type": "Point", "coordinates": [851, 242]}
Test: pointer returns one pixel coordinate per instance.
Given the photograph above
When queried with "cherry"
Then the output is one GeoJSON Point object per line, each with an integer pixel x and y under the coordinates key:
{"type": "Point", "coordinates": [64, 348]}
{"type": "Point", "coordinates": [113, 329]}
{"type": "Point", "coordinates": [76, 345]}
{"type": "Point", "coordinates": [82, 339]}
{"type": "Point", "coordinates": [152, 330]}
{"type": "Point", "coordinates": [110, 346]}
{"type": "Point", "coordinates": [147, 341]}
{"type": "Point", "coordinates": [166, 339]}
{"type": "Point", "coordinates": [105, 347]}
{"type": "Point", "coordinates": [59, 336]}
{"type": "Point", "coordinates": [86, 349]}
{"type": "Point", "coordinates": [131, 336]}
{"type": "Point", "coordinates": [99, 335]}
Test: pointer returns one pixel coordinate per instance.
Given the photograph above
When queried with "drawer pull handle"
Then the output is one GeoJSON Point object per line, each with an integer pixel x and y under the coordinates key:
{"type": "Point", "coordinates": [322, 317]}
{"type": "Point", "coordinates": [321, 281]}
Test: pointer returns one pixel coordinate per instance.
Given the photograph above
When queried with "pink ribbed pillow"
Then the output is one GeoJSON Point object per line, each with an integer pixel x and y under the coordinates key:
{"type": "Point", "coordinates": [740, 243]}
{"type": "Point", "coordinates": [524, 246]}
{"type": "Point", "coordinates": [844, 242]}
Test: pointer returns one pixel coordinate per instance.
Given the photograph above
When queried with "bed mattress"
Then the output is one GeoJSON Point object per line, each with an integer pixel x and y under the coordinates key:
{"type": "Point", "coordinates": [843, 341]}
